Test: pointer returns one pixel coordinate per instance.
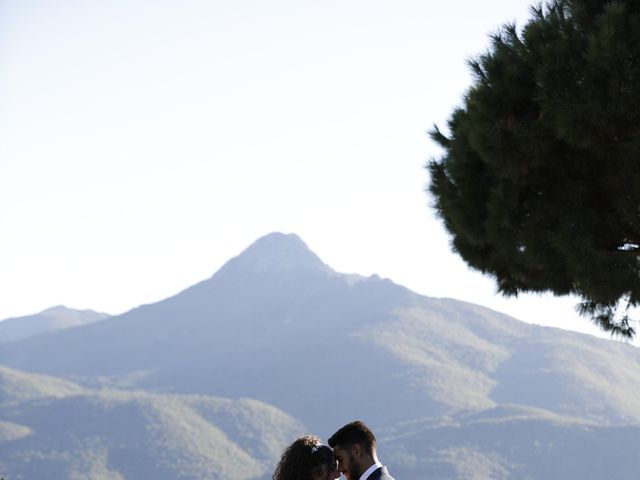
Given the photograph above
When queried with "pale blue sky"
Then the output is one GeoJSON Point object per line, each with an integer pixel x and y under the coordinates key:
{"type": "Point", "coordinates": [144, 143]}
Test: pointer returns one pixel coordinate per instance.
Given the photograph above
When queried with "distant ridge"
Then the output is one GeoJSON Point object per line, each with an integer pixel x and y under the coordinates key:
{"type": "Point", "coordinates": [49, 320]}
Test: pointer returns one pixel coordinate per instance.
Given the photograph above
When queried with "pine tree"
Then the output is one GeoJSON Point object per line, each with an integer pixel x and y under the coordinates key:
{"type": "Point", "coordinates": [539, 184]}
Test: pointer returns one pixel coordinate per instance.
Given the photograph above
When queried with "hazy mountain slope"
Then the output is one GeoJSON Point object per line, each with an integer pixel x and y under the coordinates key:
{"type": "Point", "coordinates": [99, 434]}
{"type": "Point", "coordinates": [511, 443]}
{"type": "Point", "coordinates": [472, 357]}
{"type": "Point", "coordinates": [113, 434]}
{"type": "Point", "coordinates": [50, 320]}
{"type": "Point", "coordinates": [16, 386]}
{"type": "Point", "coordinates": [551, 368]}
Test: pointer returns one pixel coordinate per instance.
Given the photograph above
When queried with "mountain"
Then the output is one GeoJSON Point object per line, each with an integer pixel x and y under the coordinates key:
{"type": "Point", "coordinates": [510, 442]}
{"type": "Point", "coordinates": [278, 325]}
{"type": "Point", "coordinates": [55, 429]}
{"type": "Point", "coordinates": [50, 320]}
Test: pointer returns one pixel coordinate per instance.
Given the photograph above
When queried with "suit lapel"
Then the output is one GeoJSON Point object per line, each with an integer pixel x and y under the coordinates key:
{"type": "Point", "coordinates": [376, 474]}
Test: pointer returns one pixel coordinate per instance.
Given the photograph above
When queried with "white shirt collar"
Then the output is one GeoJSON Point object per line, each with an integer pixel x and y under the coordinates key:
{"type": "Point", "coordinates": [370, 470]}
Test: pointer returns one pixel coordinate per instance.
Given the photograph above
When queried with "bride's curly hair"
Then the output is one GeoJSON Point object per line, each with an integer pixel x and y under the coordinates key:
{"type": "Point", "coordinates": [302, 459]}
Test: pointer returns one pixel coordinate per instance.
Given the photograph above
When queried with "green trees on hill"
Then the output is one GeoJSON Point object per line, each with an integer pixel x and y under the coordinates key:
{"type": "Point", "coordinates": [539, 184]}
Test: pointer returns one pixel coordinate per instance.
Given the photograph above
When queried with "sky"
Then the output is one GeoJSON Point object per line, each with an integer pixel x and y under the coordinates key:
{"type": "Point", "coordinates": [145, 143]}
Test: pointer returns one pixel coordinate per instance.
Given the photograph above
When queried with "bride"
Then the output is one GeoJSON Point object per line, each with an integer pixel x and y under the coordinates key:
{"type": "Point", "coordinates": [307, 459]}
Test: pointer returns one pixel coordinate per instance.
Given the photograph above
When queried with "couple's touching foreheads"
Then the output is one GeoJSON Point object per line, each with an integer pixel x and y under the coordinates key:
{"type": "Point", "coordinates": [351, 451]}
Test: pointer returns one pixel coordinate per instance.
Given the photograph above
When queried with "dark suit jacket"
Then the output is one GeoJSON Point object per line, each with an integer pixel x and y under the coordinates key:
{"type": "Point", "coordinates": [380, 474]}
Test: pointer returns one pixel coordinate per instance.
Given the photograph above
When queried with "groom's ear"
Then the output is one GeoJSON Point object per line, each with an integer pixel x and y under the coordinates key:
{"type": "Point", "coordinates": [356, 450]}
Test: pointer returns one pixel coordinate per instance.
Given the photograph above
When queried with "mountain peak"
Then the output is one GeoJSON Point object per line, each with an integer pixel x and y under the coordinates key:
{"type": "Point", "coordinates": [55, 310]}
{"type": "Point", "coordinates": [280, 253]}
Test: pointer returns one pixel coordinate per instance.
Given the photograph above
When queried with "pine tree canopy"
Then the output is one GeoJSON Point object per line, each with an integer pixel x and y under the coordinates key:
{"type": "Point", "coordinates": [539, 183]}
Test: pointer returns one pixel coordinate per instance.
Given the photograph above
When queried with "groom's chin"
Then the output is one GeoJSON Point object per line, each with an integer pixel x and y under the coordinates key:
{"type": "Point", "coordinates": [351, 475]}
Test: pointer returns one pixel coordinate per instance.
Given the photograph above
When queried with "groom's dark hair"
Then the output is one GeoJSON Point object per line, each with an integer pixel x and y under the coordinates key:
{"type": "Point", "coordinates": [354, 433]}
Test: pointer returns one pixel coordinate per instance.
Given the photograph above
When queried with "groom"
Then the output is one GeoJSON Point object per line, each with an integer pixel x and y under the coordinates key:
{"type": "Point", "coordinates": [354, 446]}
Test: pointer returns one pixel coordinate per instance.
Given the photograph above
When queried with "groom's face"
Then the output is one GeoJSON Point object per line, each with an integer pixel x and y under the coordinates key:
{"type": "Point", "coordinates": [348, 464]}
